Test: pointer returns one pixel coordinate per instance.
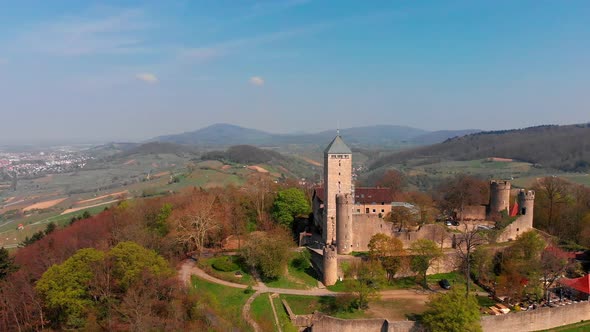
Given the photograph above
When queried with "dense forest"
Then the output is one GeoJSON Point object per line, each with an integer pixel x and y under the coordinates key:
{"type": "Point", "coordinates": [560, 147]}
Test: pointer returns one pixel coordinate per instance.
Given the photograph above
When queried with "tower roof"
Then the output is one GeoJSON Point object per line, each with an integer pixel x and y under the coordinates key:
{"type": "Point", "coordinates": [338, 146]}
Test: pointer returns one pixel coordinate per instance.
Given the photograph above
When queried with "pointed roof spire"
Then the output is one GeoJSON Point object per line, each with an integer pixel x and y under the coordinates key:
{"type": "Point", "coordinates": [338, 146]}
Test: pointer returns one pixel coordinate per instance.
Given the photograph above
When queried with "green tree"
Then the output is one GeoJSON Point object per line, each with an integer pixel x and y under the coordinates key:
{"type": "Point", "coordinates": [452, 312]}
{"type": "Point", "coordinates": [268, 252]}
{"type": "Point", "coordinates": [129, 260]}
{"type": "Point", "coordinates": [364, 280]}
{"type": "Point", "coordinates": [403, 217]}
{"type": "Point", "coordinates": [158, 222]}
{"type": "Point", "coordinates": [64, 288]}
{"type": "Point", "coordinates": [387, 250]}
{"type": "Point", "coordinates": [424, 253]}
{"type": "Point", "coordinates": [50, 228]}
{"type": "Point", "coordinates": [7, 265]}
{"type": "Point", "coordinates": [289, 204]}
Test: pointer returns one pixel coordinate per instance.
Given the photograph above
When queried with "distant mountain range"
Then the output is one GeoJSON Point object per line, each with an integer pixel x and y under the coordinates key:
{"type": "Point", "coordinates": [559, 147]}
{"type": "Point", "coordinates": [380, 135]}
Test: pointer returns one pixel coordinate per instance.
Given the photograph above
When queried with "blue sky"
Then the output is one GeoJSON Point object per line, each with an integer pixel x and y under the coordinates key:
{"type": "Point", "coordinates": [131, 70]}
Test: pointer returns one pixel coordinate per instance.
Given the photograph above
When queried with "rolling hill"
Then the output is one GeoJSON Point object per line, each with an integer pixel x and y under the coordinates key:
{"type": "Point", "coordinates": [565, 148]}
{"type": "Point", "coordinates": [381, 135]}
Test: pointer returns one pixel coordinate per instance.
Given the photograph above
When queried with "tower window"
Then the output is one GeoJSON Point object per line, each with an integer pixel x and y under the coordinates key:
{"type": "Point", "coordinates": [523, 211]}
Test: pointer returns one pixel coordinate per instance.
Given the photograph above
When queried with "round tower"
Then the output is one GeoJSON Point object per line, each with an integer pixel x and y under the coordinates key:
{"type": "Point", "coordinates": [344, 223]}
{"type": "Point", "coordinates": [526, 204]}
{"type": "Point", "coordinates": [330, 265]}
{"type": "Point", "coordinates": [499, 196]}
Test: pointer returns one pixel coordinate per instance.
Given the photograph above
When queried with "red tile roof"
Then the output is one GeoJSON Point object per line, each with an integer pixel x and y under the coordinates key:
{"type": "Point", "coordinates": [580, 284]}
{"type": "Point", "coordinates": [364, 195]}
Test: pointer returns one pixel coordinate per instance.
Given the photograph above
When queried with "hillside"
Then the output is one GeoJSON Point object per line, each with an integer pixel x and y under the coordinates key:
{"type": "Point", "coordinates": [251, 155]}
{"type": "Point", "coordinates": [369, 136]}
{"type": "Point", "coordinates": [565, 148]}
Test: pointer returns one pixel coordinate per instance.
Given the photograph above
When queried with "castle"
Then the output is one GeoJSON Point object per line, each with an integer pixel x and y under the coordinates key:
{"type": "Point", "coordinates": [347, 218]}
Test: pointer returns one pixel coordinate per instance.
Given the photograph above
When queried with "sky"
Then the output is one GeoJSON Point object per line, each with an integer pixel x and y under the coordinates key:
{"type": "Point", "coordinates": [84, 71]}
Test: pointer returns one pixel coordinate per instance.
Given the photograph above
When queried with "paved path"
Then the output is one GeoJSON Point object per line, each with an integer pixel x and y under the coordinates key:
{"type": "Point", "coordinates": [189, 268]}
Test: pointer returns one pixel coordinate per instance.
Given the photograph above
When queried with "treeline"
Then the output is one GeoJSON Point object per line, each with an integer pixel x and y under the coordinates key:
{"type": "Point", "coordinates": [115, 271]}
{"type": "Point", "coordinates": [560, 147]}
{"type": "Point", "coordinates": [244, 154]}
{"type": "Point", "coordinates": [562, 209]}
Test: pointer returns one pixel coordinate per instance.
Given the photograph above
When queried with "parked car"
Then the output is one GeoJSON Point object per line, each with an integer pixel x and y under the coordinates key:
{"type": "Point", "coordinates": [445, 284]}
{"type": "Point", "coordinates": [452, 223]}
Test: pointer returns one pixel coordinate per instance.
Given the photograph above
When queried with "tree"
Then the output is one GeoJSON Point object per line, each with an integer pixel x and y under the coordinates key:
{"type": "Point", "coordinates": [551, 194]}
{"type": "Point", "coordinates": [64, 291]}
{"type": "Point", "coordinates": [50, 228]}
{"type": "Point", "coordinates": [289, 204]}
{"type": "Point", "coordinates": [403, 217]}
{"type": "Point", "coordinates": [364, 280]}
{"type": "Point", "coordinates": [520, 267]}
{"type": "Point", "coordinates": [387, 250]}
{"type": "Point", "coordinates": [194, 223]}
{"type": "Point", "coordinates": [268, 252]}
{"type": "Point", "coordinates": [394, 180]}
{"type": "Point", "coordinates": [461, 191]}
{"type": "Point", "coordinates": [452, 312]}
{"type": "Point", "coordinates": [554, 263]}
{"type": "Point", "coordinates": [129, 260]}
{"type": "Point", "coordinates": [467, 242]}
{"type": "Point", "coordinates": [425, 205]}
{"type": "Point", "coordinates": [424, 253]}
{"type": "Point", "coordinates": [7, 265]}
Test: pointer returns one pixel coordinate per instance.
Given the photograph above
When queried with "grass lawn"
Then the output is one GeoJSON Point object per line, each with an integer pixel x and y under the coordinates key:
{"type": "Point", "coordinates": [226, 302]}
{"type": "Point", "coordinates": [305, 305]}
{"type": "Point", "coordinates": [577, 327]}
{"type": "Point", "coordinates": [262, 313]}
{"type": "Point", "coordinates": [300, 276]}
{"type": "Point", "coordinates": [207, 265]}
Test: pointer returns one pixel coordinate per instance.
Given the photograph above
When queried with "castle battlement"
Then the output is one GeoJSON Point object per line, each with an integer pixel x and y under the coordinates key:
{"type": "Point", "coordinates": [500, 184]}
{"type": "Point", "coordinates": [528, 195]}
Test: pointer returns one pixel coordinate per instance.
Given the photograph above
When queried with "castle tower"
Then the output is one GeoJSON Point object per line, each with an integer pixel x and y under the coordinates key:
{"type": "Point", "coordinates": [337, 180]}
{"type": "Point", "coordinates": [499, 196]}
{"type": "Point", "coordinates": [344, 223]}
{"type": "Point", "coordinates": [330, 265]}
{"type": "Point", "coordinates": [526, 204]}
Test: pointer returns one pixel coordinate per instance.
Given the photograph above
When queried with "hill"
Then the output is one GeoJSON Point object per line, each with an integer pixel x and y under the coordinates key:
{"type": "Point", "coordinates": [565, 148]}
{"type": "Point", "coordinates": [369, 136]}
{"type": "Point", "coordinates": [251, 155]}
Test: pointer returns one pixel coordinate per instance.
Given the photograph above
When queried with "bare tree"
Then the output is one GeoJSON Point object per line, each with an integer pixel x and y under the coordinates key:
{"type": "Point", "coordinates": [194, 223]}
{"type": "Point", "coordinates": [466, 244]}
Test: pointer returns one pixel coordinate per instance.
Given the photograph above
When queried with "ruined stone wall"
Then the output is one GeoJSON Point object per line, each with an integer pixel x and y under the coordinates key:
{"type": "Point", "coordinates": [366, 225]}
{"type": "Point", "coordinates": [472, 212]}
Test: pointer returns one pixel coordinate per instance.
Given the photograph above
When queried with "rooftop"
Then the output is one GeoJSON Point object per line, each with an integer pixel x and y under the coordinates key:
{"type": "Point", "coordinates": [337, 146]}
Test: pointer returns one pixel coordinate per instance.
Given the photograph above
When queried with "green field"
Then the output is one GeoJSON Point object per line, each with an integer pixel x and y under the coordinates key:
{"type": "Point", "coordinates": [226, 302]}
{"type": "Point", "coordinates": [577, 327]}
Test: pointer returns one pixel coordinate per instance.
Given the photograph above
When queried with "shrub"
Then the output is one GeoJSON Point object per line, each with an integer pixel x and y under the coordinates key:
{"type": "Point", "coordinates": [225, 264]}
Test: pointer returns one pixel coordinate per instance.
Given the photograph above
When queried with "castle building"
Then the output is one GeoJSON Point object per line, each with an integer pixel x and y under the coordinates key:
{"type": "Point", "coordinates": [348, 217]}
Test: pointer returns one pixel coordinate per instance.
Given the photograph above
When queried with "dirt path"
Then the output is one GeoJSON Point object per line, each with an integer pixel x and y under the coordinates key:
{"type": "Point", "coordinates": [246, 312]}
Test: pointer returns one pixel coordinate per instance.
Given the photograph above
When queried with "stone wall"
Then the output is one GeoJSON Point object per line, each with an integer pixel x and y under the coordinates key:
{"type": "Point", "coordinates": [517, 227]}
{"type": "Point", "coordinates": [472, 212]}
{"type": "Point", "coordinates": [534, 320]}
{"type": "Point", "coordinates": [367, 225]}
{"type": "Point", "coordinates": [539, 319]}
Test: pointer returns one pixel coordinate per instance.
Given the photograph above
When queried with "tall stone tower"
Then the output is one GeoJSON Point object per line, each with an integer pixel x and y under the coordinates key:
{"type": "Point", "coordinates": [337, 180]}
{"type": "Point", "coordinates": [344, 205]}
{"type": "Point", "coordinates": [499, 196]}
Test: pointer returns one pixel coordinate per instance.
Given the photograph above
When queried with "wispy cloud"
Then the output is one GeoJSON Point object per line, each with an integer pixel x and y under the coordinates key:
{"type": "Point", "coordinates": [117, 33]}
{"type": "Point", "coordinates": [147, 77]}
{"type": "Point", "coordinates": [257, 80]}
{"type": "Point", "coordinates": [221, 49]}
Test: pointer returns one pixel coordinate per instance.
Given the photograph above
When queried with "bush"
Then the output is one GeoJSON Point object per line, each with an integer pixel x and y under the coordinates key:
{"type": "Point", "coordinates": [225, 264]}
{"type": "Point", "coordinates": [302, 261]}
{"type": "Point", "coordinates": [249, 290]}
